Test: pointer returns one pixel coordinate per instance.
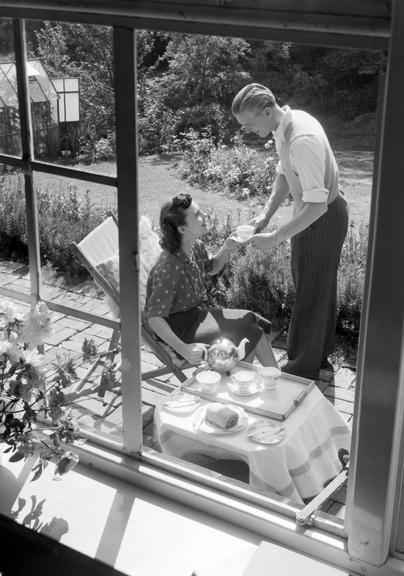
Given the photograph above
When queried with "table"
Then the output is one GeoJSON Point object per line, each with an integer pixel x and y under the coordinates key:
{"type": "Point", "coordinates": [296, 468]}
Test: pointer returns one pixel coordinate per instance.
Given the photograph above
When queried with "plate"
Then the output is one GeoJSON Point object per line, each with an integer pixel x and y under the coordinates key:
{"type": "Point", "coordinates": [182, 403]}
{"type": "Point", "coordinates": [266, 433]}
{"type": "Point", "coordinates": [205, 426]}
{"type": "Point", "coordinates": [254, 388]}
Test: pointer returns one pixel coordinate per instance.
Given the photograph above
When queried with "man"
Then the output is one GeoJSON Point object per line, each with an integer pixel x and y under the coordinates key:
{"type": "Point", "coordinates": [307, 170]}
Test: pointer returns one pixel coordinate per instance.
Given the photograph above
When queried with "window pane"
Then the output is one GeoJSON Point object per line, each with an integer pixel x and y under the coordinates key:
{"type": "Point", "coordinates": [71, 93]}
{"type": "Point", "coordinates": [198, 148]}
{"type": "Point", "coordinates": [10, 137]}
{"type": "Point", "coordinates": [68, 211]}
{"type": "Point", "coordinates": [13, 232]}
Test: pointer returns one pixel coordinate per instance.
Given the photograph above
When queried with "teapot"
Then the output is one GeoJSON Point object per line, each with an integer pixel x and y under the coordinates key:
{"type": "Point", "coordinates": [223, 355]}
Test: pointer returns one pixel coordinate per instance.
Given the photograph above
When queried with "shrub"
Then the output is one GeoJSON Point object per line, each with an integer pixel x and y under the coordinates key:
{"type": "Point", "coordinates": [63, 219]}
{"type": "Point", "coordinates": [351, 280]}
{"type": "Point", "coordinates": [238, 170]}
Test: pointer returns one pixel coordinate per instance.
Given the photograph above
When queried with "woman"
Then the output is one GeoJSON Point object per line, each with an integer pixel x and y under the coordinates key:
{"type": "Point", "coordinates": [175, 284]}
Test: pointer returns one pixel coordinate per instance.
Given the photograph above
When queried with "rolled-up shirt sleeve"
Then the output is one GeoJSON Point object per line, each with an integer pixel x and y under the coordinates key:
{"type": "Point", "coordinates": [307, 156]}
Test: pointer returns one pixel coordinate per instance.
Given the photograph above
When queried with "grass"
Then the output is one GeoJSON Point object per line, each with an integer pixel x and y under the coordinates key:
{"type": "Point", "coordinates": [159, 181]}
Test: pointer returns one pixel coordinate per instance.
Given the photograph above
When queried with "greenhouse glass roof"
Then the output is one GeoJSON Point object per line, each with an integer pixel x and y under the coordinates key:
{"type": "Point", "coordinates": [41, 88]}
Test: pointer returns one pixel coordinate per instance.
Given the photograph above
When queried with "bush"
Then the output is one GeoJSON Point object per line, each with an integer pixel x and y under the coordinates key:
{"type": "Point", "coordinates": [351, 280]}
{"type": "Point", "coordinates": [237, 170]}
{"type": "Point", "coordinates": [63, 219]}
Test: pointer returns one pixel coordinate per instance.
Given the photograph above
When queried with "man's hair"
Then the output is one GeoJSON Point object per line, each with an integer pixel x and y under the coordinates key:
{"type": "Point", "coordinates": [254, 97]}
{"type": "Point", "coordinates": [172, 215]}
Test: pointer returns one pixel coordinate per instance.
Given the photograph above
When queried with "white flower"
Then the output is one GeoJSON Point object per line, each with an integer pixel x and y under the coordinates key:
{"type": "Point", "coordinates": [10, 312]}
{"type": "Point", "coordinates": [10, 349]}
{"type": "Point", "coordinates": [37, 326]}
{"type": "Point", "coordinates": [34, 359]}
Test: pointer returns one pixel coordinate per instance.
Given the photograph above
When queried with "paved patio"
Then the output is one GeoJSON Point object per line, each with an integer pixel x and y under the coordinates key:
{"type": "Point", "coordinates": [104, 414]}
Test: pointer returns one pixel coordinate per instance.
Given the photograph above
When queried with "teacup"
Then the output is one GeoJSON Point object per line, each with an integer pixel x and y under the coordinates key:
{"type": "Point", "coordinates": [208, 380]}
{"type": "Point", "coordinates": [244, 231]}
{"type": "Point", "coordinates": [243, 381]}
{"type": "Point", "coordinates": [270, 375]}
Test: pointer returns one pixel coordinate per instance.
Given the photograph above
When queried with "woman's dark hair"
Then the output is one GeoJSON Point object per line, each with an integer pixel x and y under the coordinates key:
{"type": "Point", "coordinates": [172, 215]}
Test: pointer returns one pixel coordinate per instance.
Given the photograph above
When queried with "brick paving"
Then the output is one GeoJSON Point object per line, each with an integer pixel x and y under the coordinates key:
{"type": "Point", "coordinates": [104, 415]}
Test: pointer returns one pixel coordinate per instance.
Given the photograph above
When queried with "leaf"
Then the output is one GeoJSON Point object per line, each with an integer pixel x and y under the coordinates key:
{"type": "Point", "coordinates": [10, 449]}
{"type": "Point", "coordinates": [38, 472]}
{"type": "Point", "coordinates": [16, 457]}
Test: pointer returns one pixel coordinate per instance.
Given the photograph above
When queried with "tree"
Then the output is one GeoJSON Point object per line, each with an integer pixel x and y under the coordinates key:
{"type": "Point", "coordinates": [83, 51]}
{"type": "Point", "coordinates": [203, 69]}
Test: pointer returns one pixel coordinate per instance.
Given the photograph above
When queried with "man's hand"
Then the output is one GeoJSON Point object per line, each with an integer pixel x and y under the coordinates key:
{"type": "Point", "coordinates": [259, 222]}
{"type": "Point", "coordinates": [264, 241]}
{"type": "Point", "coordinates": [194, 352]}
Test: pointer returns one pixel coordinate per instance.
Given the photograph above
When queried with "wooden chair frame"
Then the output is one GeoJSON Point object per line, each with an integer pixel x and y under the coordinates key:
{"type": "Point", "coordinates": [146, 333]}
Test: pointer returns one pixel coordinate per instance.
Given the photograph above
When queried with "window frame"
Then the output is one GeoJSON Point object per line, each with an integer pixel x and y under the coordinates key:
{"type": "Point", "coordinates": [370, 31]}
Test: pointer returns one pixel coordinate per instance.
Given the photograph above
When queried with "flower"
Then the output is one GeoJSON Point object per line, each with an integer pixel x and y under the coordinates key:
{"type": "Point", "coordinates": [29, 405]}
{"type": "Point", "coordinates": [37, 326]}
{"type": "Point", "coordinates": [10, 312]}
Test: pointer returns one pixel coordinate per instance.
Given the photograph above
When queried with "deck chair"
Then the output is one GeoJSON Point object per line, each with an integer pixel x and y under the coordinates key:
{"type": "Point", "coordinates": [98, 249]}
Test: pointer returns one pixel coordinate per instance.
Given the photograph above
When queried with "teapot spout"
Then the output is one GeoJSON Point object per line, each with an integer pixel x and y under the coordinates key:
{"type": "Point", "coordinates": [241, 348]}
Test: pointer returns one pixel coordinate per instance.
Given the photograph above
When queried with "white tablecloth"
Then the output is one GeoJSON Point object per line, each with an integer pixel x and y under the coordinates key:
{"type": "Point", "coordinates": [295, 468]}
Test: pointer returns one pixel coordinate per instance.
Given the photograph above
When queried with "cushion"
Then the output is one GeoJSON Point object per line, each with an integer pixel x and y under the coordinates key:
{"type": "Point", "coordinates": [149, 250]}
{"type": "Point", "coordinates": [109, 270]}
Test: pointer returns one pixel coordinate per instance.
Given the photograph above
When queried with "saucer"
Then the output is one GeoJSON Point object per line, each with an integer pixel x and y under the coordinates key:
{"type": "Point", "coordinates": [253, 388]}
{"type": "Point", "coordinates": [266, 433]}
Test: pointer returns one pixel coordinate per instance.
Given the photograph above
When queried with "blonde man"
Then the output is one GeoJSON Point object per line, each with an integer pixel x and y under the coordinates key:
{"type": "Point", "coordinates": [307, 170]}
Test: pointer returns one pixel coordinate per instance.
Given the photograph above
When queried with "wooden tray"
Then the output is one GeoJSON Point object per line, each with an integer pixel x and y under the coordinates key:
{"type": "Point", "coordinates": [278, 404]}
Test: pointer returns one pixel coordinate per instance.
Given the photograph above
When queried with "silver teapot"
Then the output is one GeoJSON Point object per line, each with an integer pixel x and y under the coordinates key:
{"type": "Point", "coordinates": [223, 355]}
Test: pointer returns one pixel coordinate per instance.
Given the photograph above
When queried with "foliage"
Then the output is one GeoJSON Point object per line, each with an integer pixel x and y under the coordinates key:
{"type": "Point", "coordinates": [202, 69]}
{"type": "Point", "coordinates": [32, 418]}
{"type": "Point", "coordinates": [238, 169]}
{"type": "Point", "coordinates": [188, 81]}
{"type": "Point", "coordinates": [83, 51]}
{"type": "Point", "coordinates": [63, 219]}
{"type": "Point", "coordinates": [351, 280]}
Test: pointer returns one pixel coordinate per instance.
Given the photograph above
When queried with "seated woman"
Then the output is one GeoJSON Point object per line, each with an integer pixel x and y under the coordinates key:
{"type": "Point", "coordinates": [175, 285]}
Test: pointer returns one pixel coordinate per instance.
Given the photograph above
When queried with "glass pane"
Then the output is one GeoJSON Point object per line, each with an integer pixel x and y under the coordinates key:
{"type": "Point", "coordinates": [72, 84]}
{"type": "Point", "coordinates": [72, 94]}
{"type": "Point", "coordinates": [14, 271]}
{"type": "Point", "coordinates": [68, 211]}
{"type": "Point", "coordinates": [72, 107]}
{"type": "Point", "coordinates": [10, 136]}
{"type": "Point", "coordinates": [190, 144]}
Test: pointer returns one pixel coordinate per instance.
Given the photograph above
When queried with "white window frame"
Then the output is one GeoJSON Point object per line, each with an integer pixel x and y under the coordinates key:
{"type": "Point", "coordinates": [373, 488]}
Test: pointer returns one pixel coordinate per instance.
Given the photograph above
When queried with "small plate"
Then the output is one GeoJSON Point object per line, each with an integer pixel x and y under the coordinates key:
{"type": "Point", "coordinates": [266, 433]}
{"type": "Point", "coordinates": [182, 403]}
{"type": "Point", "coordinates": [205, 426]}
{"type": "Point", "coordinates": [254, 388]}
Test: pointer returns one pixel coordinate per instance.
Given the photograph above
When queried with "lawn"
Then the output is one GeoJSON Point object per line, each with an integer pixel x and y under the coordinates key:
{"type": "Point", "coordinates": [159, 180]}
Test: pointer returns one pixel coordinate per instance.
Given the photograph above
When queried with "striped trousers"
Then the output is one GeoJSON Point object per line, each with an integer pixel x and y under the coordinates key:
{"type": "Point", "coordinates": [315, 255]}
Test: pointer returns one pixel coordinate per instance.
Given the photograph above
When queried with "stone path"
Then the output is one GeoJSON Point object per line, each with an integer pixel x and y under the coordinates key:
{"type": "Point", "coordinates": [103, 415]}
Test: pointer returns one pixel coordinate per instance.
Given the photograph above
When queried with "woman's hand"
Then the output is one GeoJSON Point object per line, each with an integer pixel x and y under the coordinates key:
{"type": "Point", "coordinates": [194, 352]}
{"type": "Point", "coordinates": [231, 244]}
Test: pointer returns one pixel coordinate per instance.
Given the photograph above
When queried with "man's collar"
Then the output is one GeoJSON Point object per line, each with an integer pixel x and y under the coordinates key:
{"type": "Point", "coordinates": [279, 133]}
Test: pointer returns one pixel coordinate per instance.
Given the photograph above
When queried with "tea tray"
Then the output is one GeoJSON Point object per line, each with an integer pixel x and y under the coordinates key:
{"type": "Point", "coordinates": [278, 404]}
